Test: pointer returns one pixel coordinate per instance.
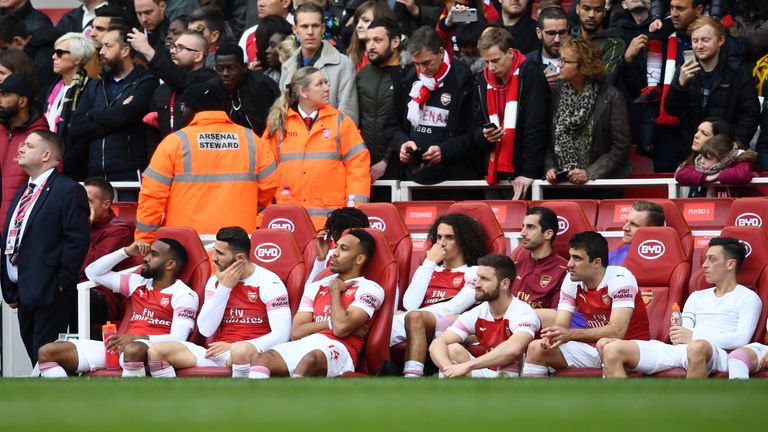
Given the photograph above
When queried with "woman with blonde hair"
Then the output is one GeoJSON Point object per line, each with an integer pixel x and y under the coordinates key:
{"type": "Point", "coordinates": [590, 138]}
{"type": "Point", "coordinates": [323, 163]}
{"type": "Point", "coordinates": [364, 15]}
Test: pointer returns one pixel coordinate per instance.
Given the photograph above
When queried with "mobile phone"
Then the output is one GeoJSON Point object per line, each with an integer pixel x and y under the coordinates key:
{"type": "Point", "coordinates": [466, 15]}
{"type": "Point", "coordinates": [688, 56]}
{"type": "Point", "coordinates": [416, 153]}
{"type": "Point", "coordinates": [490, 125]}
{"type": "Point", "coordinates": [327, 236]}
{"type": "Point", "coordinates": [562, 176]}
{"type": "Point", "coordinates": [552, 68]}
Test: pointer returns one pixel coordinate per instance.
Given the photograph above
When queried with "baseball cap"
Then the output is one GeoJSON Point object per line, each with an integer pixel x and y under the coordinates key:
{"type": "Point", "coordinates": [205, 96]}
{"type": "Point", "coordinates": [15, 83]}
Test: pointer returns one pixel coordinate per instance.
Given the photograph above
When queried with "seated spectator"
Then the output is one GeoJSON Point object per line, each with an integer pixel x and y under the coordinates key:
{"type": "Point", "coordinates": [719, 161]}
{"type": "Point", "coordinates": [321, 156]}
{"type": "Point", "coordinates": [552, 31]}
{"type": "Point", "coordinates": [338, 221]}
{"type": "Point", "coordinates": [272, 31]}
{"type": "Point", "coordinates": [211, 23]}
{"type": "Point", "coordinates": [439, 115]}
{"type": "Point", "coordinates": [331, 326]}
{"type": "Point", "coordinates": [14, 35]}
{"type": "Point", "coordinates": [338, 68]}
{"type": "Point", "coordinates": [590, 138]}
{"type": "Point", "coordinates": [642, 214]}
{"type": "Point", "coordinates": [504, 327]}
{"type": "Point", "coordinates": [213, 161]}
{"type": "Point", "coordinates": [247, 42]}
{"type": "Point", "coordinates": [151, 16]}
{"type": "Point", "coordinates": [72, 52]}
{"type": "Point", "coordinates": [109, 115]}
{"type": "Point", "coordinates": [606, 296]}
{"type": "Point", "coordinates": [364, 15]}
{"type": "Point", "coordinates": [183, 68]}
{"type": "Point", "coordinates": [176, 28]}
{"type": "Point", "coordinates": [163, 308]}
{"type": "Point", "coordinates": [441, 288]}
{"type": "Point", "coordinates": [245, 312]}
{"type": "Point", "coordinates": [710, 86]}
{"type": "Point", "coordinates": [516, 98]}
{"type": "Point", "coordinates": [714, 320]}
{"type": "Point", "coordinates": [747, 359]}
{"type": "Point", "coordinates": [19, 117]}
{"type": "Point", "coordinates": [708, 128]}
{"type": "Point", "coordinates": [251, 94]}
{"type": "Point", "coordinates": [78, 20]}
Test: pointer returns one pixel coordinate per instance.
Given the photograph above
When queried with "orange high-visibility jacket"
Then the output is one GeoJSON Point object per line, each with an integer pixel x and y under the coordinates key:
{"type": "Point", "coordinates": [210, 174]}
{"type": "Point", "coordinates": [322, 166]}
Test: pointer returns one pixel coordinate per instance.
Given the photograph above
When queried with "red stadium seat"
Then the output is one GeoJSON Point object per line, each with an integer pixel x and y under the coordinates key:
{"type": "Point", "coordinates": [753, 272]}
{"type": "Point", "coordinates": [704, 213]}
{"type": "Point", "coordinates": [126, 211]}
{"type": "Point", "coordinates": [483, 213]}
{"type": "Point", "coordinates": [276, 250]}
{"type": "Point", "coordinates": [587, 205]}
{"type": "Point", "coordinates": [195, 274]}
{"type": "Point", "coordinates": [295, 219]}
{"type": "Point", "coordinates": [570, 220]}
{"type": "Point", "coordinates": [510, 214]}
{"type": "Point", "coordinates": [748, 212]}
{"type": "Point", "coordinates": [662, 270]}
{"type": "Point", "coordinates": [419, 215]}
{"type": "Point", "coordinates": [386, 218]}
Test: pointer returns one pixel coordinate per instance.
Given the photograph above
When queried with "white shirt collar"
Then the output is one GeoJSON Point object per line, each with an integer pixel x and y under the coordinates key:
{"type": "Point", "coordinates": [41, 179]}
{"type": "Point", "coordinates": [304, 115]}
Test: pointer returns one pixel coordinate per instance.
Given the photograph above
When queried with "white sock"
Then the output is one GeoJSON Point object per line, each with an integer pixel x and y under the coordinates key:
{"type": "Point", "coordinates": [161, 369]}
{"type": "Point", "coordinates": [258, 372]}
{"type": "Point", "coordinates": [52, 370]}
{"type": "Point", "coordinates": [134, 370]}
{"type": "Point", "coordinates": [535, 371]}
{"type": "Point", "coordinates": [413, 369]}
{"type": "Point", "coordinates": [240, 370]}
{"type": "Point", "coordinates": [738, 365]}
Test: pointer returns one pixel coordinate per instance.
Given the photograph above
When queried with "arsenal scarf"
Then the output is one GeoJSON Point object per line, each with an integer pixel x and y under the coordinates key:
{"type": "Point", "coordinates": [502, 101]}
{"type": "Point", "coordinates": [424, 87]}
{"type": "Point", "coordinates": [669, 72]}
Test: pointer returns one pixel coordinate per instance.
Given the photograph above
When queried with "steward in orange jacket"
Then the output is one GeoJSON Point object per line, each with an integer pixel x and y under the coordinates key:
{"type": "Point", "coordinates": [211, 174]}
{"type": "Point", "coordinates": [323, 161]}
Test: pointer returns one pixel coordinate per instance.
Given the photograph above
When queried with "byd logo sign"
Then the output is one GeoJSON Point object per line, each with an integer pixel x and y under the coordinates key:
{"type": "Point", "coordinates": [281, 223]}
{"type": "Point", "coordinates": [377, 223]}
{"type": "Point", "coordinates": [267, 252]}
{"type": "Point", "coordinates": [562, 225]}
{"type": "Point", "coordinates": [651, 249]}
{"type": "Point", "coordinates": [747, 246]}
{"type": "Point", "coordinates": [749, 220]}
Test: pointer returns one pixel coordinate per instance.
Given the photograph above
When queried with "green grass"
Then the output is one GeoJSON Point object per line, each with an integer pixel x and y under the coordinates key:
{"type": "Point", "coordinates": [379, 404]}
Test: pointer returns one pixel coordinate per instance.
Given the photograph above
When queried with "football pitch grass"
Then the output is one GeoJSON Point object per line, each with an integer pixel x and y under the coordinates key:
{"type": "Point", "coordinates": [382, 404]}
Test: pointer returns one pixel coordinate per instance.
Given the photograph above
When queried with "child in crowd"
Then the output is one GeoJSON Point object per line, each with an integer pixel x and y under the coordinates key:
{"type": "Point", "coordinates": [719, 160]}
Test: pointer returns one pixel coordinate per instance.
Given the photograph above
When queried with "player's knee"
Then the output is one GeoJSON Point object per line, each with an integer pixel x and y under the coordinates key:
{"type": "Point", "coordinates": [699, 350]}
{"type": "Point", "coordinates": [313, 360]}
{"type": "Point", "coordinates": [242, 353]}
{"type": "Point", "coordinates": [611, 352]}
{"type": "Point", "coordinates": [158, 351]}
{"type": "Point", "coordinates": [49, 352]}
{"type": "Point", "coordinates": [135, 351]}
{"type": "Point", "coordinates": [455, 351]}
{"type": "Point", "coordinates": [535, 352]}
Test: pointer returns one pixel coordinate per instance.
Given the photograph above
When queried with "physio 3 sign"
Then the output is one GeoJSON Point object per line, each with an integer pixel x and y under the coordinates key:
{"type": "Point", "coordinates": [267, 252]}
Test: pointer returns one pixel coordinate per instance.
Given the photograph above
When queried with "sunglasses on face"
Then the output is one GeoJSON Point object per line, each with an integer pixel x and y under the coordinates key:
{"type": "Point", "coordinates": [59, 53]}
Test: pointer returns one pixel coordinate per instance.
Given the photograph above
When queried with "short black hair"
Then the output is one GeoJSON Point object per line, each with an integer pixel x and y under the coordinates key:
{"type": "Point", "coordinates": [178, 252]}
{"type": "Point", "coordinates": [732, 249]}
{"type": "Point", "coordinates": [308, 8]}
{"type": "Point", "coordinates": [52, 140]}
{"type": "Point", "coordinates": [213, 18]}
{"type": "Point", "coordinates": [367, 242]}
{"type": "Point", "coordinates": [502, 265]}
{"type": "Point", "coordinates": [469, 234]}
{"type": "Point", "coordinates": [122, 37]}
{"type": "Point", "coordinates": [106, 189]}
{"type": "Point", "coordinates": [654, 212]}
{"type": "Point", "coordinates": [110, 10]}
{"type": "Point", "coordinates": [554, 13]}
{"type": "Point", "coordinates": [390, 25]}
{"type": "Point", "coordinates": [12, 26]}
{"type": "Point", "coordinates": [236, 238]}
{"type": "Point", "coordinates": [547, 219]}
{"type": "Point", "coordinates": [230, 48]}
{"type": "Point", "coordinates": [345, 218]}
{"type": "Point", "coordinates": [593, 243]}
{"type": "Point", "coordinates": [425, 37]}
{"type": "Point", "coordinates": [268, 26]}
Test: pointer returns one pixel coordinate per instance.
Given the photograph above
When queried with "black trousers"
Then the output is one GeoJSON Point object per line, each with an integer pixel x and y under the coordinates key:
{"type": "Point", "coordinates": [42, 324]}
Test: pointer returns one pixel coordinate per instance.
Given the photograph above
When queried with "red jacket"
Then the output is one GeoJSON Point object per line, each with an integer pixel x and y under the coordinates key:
{"type": "Point", "coordinates": [13, 177]}
{"type": "Point", "coordinates": [106, 237]}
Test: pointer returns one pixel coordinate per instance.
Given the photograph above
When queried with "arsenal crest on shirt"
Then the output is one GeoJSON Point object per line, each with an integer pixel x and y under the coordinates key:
{"type": "Point", "coordinates": [647, 294]}
{"type": "Point", "coordinates": [326, 133]}
{"type": "Point", "coordinates": [445, 99]}
{"type": "Point", "coordinates": [606, 299]}
{"type": "Point", "coordinates": [457, 281]}
{"type": "Point", "coordinates": [165, 301]}
{"type": "Point", "coordinates": [253, 296]}
{"type": "Point", "coordinates": [544, 280]}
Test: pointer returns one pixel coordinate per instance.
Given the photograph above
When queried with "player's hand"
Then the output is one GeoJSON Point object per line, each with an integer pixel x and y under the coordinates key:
{"type": "Point", "coordinates": [520, 186]}
{"type": "Point", "coordinates": [555, 336]}
{"type": "Point", "coordinates": [680, 335]}
{"type": "Point", "coordinates": [362, 331]}
{"type": "Point", "coordinates": [655, 26]}
{"type": "Point", "coordinates": [232, 274]}
{"type": "Point", "coordinates": [405, 151]}
{"type": "Point", "coordinates": [378, 169]}
{"type": "Point", "coordinates": [493, 135]}
{"type": "Point", "coordinates": [436, 253]}
{"type": "Point", "coordinates": [140, 42]}
{"type": "Point", "coordinates": [578, 176]}
{"type": "Point", "coordinates": [337, 286]}
{"type": "Point", "coordinates": [116, 343]}
{"type": "Point", "coordinates": [457, 370]}
{"type": "Point", "coordinates": [217, 348]}
{"type": "Point", "coordinates": [688, 71]}
{"type": "Point", "coordinates": [635, 47]}
{"type": "Point", "coordinates": [137, 248]}
{"type": "Point", "coordinates": [551, 176]}
{"type": "Point", "coordinates": [322, 244]}
{"type": "Point", "coordinates": [712, 177]}
{"type": "Point", "coordinates": [433, 155]}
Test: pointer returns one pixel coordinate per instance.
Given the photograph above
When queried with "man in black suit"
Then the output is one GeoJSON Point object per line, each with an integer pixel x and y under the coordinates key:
{"type": "Point", "coordinates": [45, 240]}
